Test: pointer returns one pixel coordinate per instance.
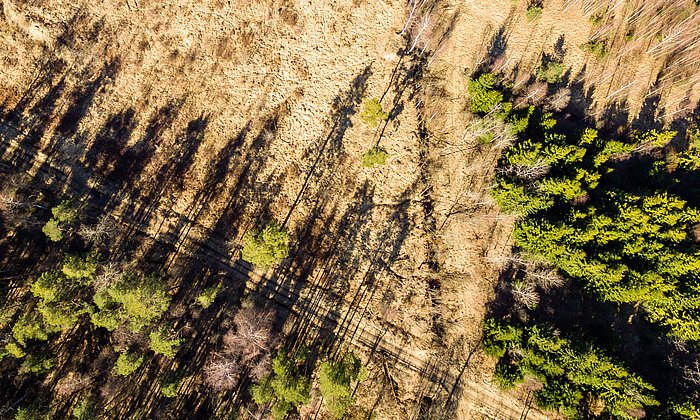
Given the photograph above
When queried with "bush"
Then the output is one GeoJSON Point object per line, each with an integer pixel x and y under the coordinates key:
{"type": "Point", "coordinates": [64, 213]}
{"type": "Point", "coordinates": [286, 388]}
{"type": "Point", "coordinates": [372, 113]}
{"type": "Point", "coordinates": [86, 409]}
{"type": "Point", "coordinates": [170, 385]}
{"type": "Point", "coordinates": [268, 248]}
{"type": "Point", "coordinates": [31, 413]}
{"type": "Point", "coordinates": [30, 326]}
{"type": "Point", "coordinates": [551, 72]}
{"type": "Point", "coordinates": [36, 365]}
{"type": "Point", "coordinates": [596, 19]}
{"type": "Point", "coordinates": [127, 363]}
{"type": "Point", "coordinates": [486, 138]}
{"type": "Point", "coordinates": [533, 12]}
{"type": "Point", "coordinates": [81, 269]}
{"type": "Point", "coordinates": [685, 410]}
{"type": "Point", "coordinates": [507, 375]}
{"type": "Point", "coordinates": [498, 336]}
{"type": "Point", "coordinates": [207, 297]}
{"type": "Point", "coordinates": [335, 380]}
{"type": "Point", "coordinates": [596, 47]}
{"type": "Point", "coordinates": [483, 96]}
{"type": "Point", "coordinates": [15, 350]}
{"type": "Point", "coordinates": [53, 230]}
{"type": "Point", "coordinates": [136, 301]}
{"type": "Point", "coordinates": [374, 156]}
{"type": "Point", "coordinates": [161, 343]}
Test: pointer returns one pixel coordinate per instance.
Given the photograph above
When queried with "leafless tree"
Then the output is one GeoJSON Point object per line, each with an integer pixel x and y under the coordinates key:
{"type": "Point", "coordinates": [108, 274]}
{"type": "Point", "coordinates": [245, 350]}
{"type": "Point", "coordinates": [72, 150]}
{"type": "Point", "coordinates": [72, 383]}
{"type": "Point", "coordinates": [415, 6]}
{"type": "Point", "coordinates": [524, 294]}
{"type": "Point", "coordinates": [527, 172]}
{"type": "Point", "coordinates": [253, 333]}
{"type": "Point", "coordinates": [691, 373]}
{"type": "Point", "coordinates": [100, 233]}
{"type": "Point", "coordinates": [546, 277]}
{"type": "Point", "coordinates": [533, 94]}
{"type": "Point", "coordinates": [515, 259]}
{"type": "Point", "coordinates": [222, 374]}
{"type": "Point", "coordinates": [559, 100]}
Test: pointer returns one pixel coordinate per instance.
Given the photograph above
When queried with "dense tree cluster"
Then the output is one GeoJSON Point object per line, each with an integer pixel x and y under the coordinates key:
{"type": "Point", "coordinates": [627, 245]}
{"type": "Point", "coordinates": [575, 381]}
{"type": "Point", "coordinates": [608, 214]}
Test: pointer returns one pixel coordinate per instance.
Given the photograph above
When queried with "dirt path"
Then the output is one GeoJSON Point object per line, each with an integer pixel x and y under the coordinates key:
{"type": "Point", "coordinates": [360, 334]}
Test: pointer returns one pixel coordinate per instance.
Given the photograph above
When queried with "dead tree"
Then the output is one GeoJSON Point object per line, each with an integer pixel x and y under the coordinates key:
{"type": "Point", "coordinates": [101, 233]}
{"type": "Point", "coordinates": [245, 350]}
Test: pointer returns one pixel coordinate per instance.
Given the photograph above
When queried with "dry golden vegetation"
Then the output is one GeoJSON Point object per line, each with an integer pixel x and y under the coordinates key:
{"type": "Point", "coordinates": [170, 144]}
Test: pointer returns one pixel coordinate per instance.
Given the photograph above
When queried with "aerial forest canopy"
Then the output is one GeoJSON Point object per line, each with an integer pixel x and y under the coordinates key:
{"type": "Point", "coordinates": [350, 209]}
{"type": "Point", "coordinates": [619, 218]}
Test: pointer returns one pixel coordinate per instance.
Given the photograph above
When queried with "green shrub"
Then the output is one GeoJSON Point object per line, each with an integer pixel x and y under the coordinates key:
{"type": "Point", "coordinates": [207, 297]}
{"type": "Point", "coordinates": [36, 365]}
{"type": "Point", "coordinates": [335, 380]}
{"type": "Point", "coordinates": [267, 248]}
{"type": "Point", "coordinates": [170, 385]}
{"type": "Point", "coordinates": [161, 343]}
{"type": "Point", "coordinates": [596, 47]}
{"type": "Point", "coordinates": [374, 156]}
{"type": "Point", "coordinates": [86, 409]}
{"type": "Point", "coordinates": [533, 12]}
{"type": "Point", "coordinates": [127, 363]}
{"type": "Point", "coordinates": [30, 413]}
{"type": "Point", "coordinates": [685, 410]}
{"type": "Point", "coordinates": [286, 388]}
{"type": "Point", "coordinates": [498, 336]}
{"type": "Point", "coordinates": [568, 372]}
{"type": "Point", "coordinates": [551, 72]}
{"type": "Point", "coordinates": [485, 138]}
{"type": "Point", "coordinates": [136, 301]}
{"type": "Point", "coordinates": [507, 375]}
{"type": "Point", "coordinates": [53, 230]}
{"type": "Point", "coordinates": [81, 269]}
{"type": "Point", "coordinates": [30, 326]}
{"type": "Point", "coordinates": [65, 213]}
{"type": "Point", "coordinates": [596, 19]}
{"type": "Point", "coordinates": [15, 350]}
{"type": "Point", "coordinates": [372, 113]}
{"type": "Point", "coordinates": [482, 93]}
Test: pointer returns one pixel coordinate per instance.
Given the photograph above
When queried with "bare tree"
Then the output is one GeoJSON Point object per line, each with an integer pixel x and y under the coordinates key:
{"type": "Point", "coordinates": [100, 233]}
{"type": "Point", "coordinates": [108, 274]}
{"type": "Point", "coordinates": [415, 6]}
{"type": "Point", "coordinates": [253, 333]}
{"type": "Point", "coordinates": [222, 374]}
{"type": "Point", "coordinates": [72, 383]}
{"type": "Point", "coordinates": [547, 278]}
{"type": "Point", "coordinates": [72, 150]}
{"type": "Point", "coordinates": [245, 350]}
{"type": "Point", "coordinates": [527, 172]}
{"type": "Point", "coordinates": [534, 93]}
{"type": "Point", "coordinates": [559, 100]}
{"type": "Point", "coordinates": [524, 294]}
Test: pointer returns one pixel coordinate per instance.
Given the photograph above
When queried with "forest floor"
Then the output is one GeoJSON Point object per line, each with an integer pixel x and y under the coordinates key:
{"type": "Point", "coordinates": [192, 122]}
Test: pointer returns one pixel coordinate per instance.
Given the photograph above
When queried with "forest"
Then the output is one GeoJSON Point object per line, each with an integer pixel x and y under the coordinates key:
{"type": "Point", "coordinates": [425, 209]}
